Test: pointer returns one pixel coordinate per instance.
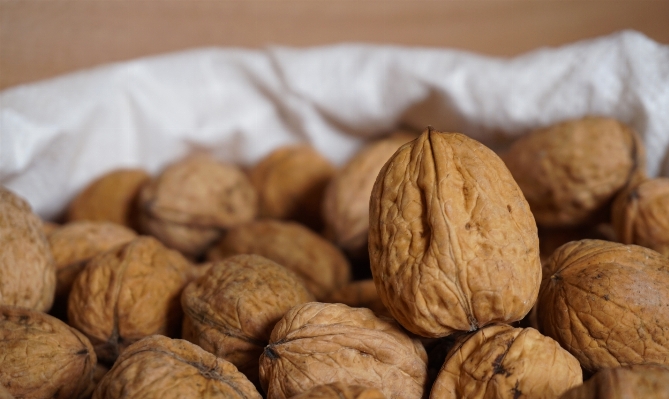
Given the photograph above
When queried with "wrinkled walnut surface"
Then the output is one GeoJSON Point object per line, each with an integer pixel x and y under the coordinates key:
{"type": "Point", "coordinates": [111, 197]}
{"type": "Point", "coordinates": [607, 303]}
{"type": "Point", "coordinates": [360, 294]}
{"type": "Point", "coordinates": [346, 202]}
{"type": "Point", "coordinates": [127, 293]}
{"type": "Point", "coordinates": [500, 361]}
{"type": "Point", "coordinates": [291, 182]}
{"type": "Point", "coordinates": [318, 343]}
{"type": "Point", "coordinates": [27, 269]}
{"type": "Point", "coordinates": [338, 390]}
{"type": "Point", "coordinates": [639, 381]}
{"type": "Point", "coordinates": [231, 310]}
{"type": "Point", "coordinates": [322, 266]}
{"type": "Point", "coordinates": [193, 201]}
{"type": "Point", "coordinates": [453, 245]}
{"type": "Point", "coordinates": [157, 367]}
{"type": "Point", "coordinates": [42, 357]}
{"type": "Point", "coordinates": [641, 215]}
{"type": "Point", "coordinates": [570, 172]}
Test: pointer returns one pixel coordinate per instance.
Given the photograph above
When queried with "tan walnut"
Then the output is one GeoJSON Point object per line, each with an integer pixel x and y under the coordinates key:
{"type": "Point", "coordinates": [606, 303]}
{"type": "Point", "coordinates": [231, 310]}
{"type": "Point", "coordinates": [127, 293]}
{"type": "Point", "coordinates": [322, 266]}
{"type": "Point", "coordinates": [338, 390]}
{"type": "Point", "coordinates": [639, 381]}
{"type": "Point", "coordinates": [317, 343]}
{"type": "Point", "coordinates": [193, 201]}
{"type": "Point", "coordinates": [27, 269]}
{"type": "Point", "coordinates": [360, 294]}
{"type": "Point", "coordinates": [346, 202]}
{"type": "Point", "coordinates": [570, 171]}
{"type": "Point", "coordinates": [453, 245]}
{"type": "Point", "coordinates": [111, 197]}
{"type": "Point", "coordinates": [290, 182]}
{"type": "Point", "coordinates": [640, 215]}
{"type": "Point", "coordinates": [500, 361]}
{"type": "Point", "coordinates": [158, 367]}
{"type": "Point", "coordinates": [42, 357]}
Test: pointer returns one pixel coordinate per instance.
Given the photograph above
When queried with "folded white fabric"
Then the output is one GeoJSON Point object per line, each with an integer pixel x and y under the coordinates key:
{"type": "Point", "coordinates": [59, 134]}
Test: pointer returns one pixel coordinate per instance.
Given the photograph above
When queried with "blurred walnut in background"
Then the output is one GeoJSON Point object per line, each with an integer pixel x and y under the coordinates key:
{"type": "Point", "coordinates": [640, 381]}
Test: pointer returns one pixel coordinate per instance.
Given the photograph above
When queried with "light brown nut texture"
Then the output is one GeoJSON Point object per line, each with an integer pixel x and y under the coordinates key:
{"type": "Point", "coordinates": [338, 390]}
{"type": "Point", "coordinates": [75, 243]}
{"type": "Point", "coordinates": [639, 381]}
{"type": "Point", "coordinates": [4, 394]}
{"type": "Point", "coordinates": [640, 215]}
{"type": "Point", "coordinates": [346, 202]}
{"type": "Point", "coordinates": [157, 367]}
{"type": "Point", "coordinates": [360, 294]}
{"type": "Point", "coordinates": [42, 357]}
{"type": "Point", "coordinates": [452, 242]}
{"type": "Point", "coordinates": [49, 227]}
{"type": "Point", "coordinates": [193, 201]}
{"type": "Point", "coordinates": [231, 310]}
{"type": "Point", "coordinates": [318, 343]}
{"type": "Point", "coordinates": [291, 182]}
{"type": "Point", "coordinates": [607, 303]}
{"type": "Point", "coordinates": [500, 361]}
{"type": "Point", "coordinates": [322, 266]}
{"type": "Point", "coordinates": [570, 172]}
{"type": "Point", "coordinates": [27, 269]}
{"type": "Point", "coordinates": [111, 198]}
{"type": "Point", "coordinates": [127, 293]}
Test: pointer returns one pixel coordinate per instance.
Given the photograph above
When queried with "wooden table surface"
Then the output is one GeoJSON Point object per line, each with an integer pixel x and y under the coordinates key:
{"type": "Point", "coordinates": [41, 39]}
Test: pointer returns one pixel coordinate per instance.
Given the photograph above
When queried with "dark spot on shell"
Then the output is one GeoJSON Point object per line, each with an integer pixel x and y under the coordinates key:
{"type": "Point", "coordinates": [468, 226]}
{"type": "Point", "coordinates": [606, 297]}
{"type": "Point", "coordinates": [82, 352]}
{"type": "Point", "coordinates": [508, 208]}
{"type": "Point", "coordinates": [270, 353]}
{"type": "Point", "coordinates": [497, 367]}
{"type": "Point", "coordinates": [516, 392]}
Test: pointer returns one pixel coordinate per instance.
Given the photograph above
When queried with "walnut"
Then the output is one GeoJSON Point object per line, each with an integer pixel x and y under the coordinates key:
{"type": "Point", "coordinates": [75, 243]}
{"type": "Point", "coordinates": [322, 266]}
{"type": "Point", "coordinates": [338, 390]}
{"type": "Point", "coordinates": [317, 343]}
{"type": "Point", "coordinates": [570, 172]}
{"type": "Point", "coordinates": [42, 357]}
{"type": "Point", "coordinates": [639, 381]}
{"type": "Point", "coordinates": [640, 215]}
{"type": "Point", "coordinates": [606, 303]}
{"type": "Point", "coordinates": [27, 270]}
{"type": "Point", "coordinates": [111, 198]}
{"type": "Point", "coordinates": [127, 293]}
{"type": "Point", "coordinates": [49, 227]}
{"type": "Point", "coordinates": [158, 367]}
{"type": "Point", "coordinates": [193, 201]}
{"type": "Point", "coordinates": [231, 310]}
{"type": "Point", "coordinates": [4, 394]}
{"type": "Point", "coordinates": [452, 242]}
{"type": "Point", "coordinates": [500, 361]}
{"type": "Point", "coordinates": [360, 294]}
{"type": "Point", "coordinates": [291, 182]}
{"type": "Point", "coordinates": [346, 202]}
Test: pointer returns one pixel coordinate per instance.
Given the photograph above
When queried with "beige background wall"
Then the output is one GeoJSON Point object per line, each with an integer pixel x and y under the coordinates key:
{"type": "Point", "coordinates": [40, 39]}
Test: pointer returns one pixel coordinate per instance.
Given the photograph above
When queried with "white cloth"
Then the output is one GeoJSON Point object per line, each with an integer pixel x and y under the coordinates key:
{"type": "Point", "coordinates": [59, 134]}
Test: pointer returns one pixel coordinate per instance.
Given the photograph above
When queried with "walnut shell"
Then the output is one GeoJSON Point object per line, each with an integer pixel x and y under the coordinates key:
{"type": "Point", "coordinates": [338, 390]}
{"type": "Point", "coordinates": [500, 361]}
{"type": "Point", "coordinates": [111, 198]}
{"type": "Point", "coordinates": [346, 202]}
{"type": "Point", "coordinates": [27, 269]}
{"type": "Point", "coordinates": [158, 367]}
{"type": "Point", "coordinates": [570, 172]}
{"type": "Point", "coordinates": [4, 394]}
{"type": "Point", "coordinates": [291, 182]}
{"type": "Point", "coordinates": [127, 293]}
{"type": "Point", "coordinates": [193, 201]}
{"type": "Point", "coordinates": [42, 357]}
{"type": "Point", "coordinates": [318, 343]}
{"type": "Point", "coordinates": [322, 266]}
{"type": "Point", "coordinates": [606, 303]}
{"type": "Point", "coordinates": [452, 242]}
{"type": "Point", "coordinates": [360, 294]}
{"type": "Point", "coordinates": [639, 381]}
{"type": "Point", "coordinates": [231, 310]}
{"type": "Point", "coordinates": [640, 215]}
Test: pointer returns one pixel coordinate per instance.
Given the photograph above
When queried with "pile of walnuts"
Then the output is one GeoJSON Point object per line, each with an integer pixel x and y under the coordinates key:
{"type": "Point", "coordinates": [428, 266]}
